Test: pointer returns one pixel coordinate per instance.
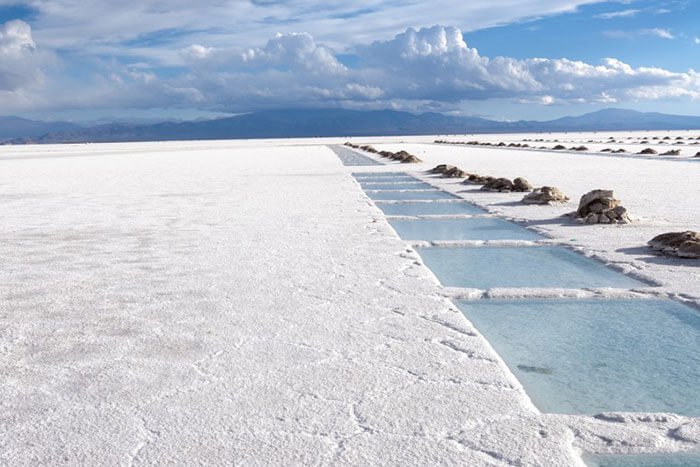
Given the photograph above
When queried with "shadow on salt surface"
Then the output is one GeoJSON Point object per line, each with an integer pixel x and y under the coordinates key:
{"type": "Point", "coordinates": [687, 459]}
{"type": "Point", "coordinates": [592, 356]}
{"type": "Point", "coordinates": [647, 255]}
{"type": "Point", "coordinates": [461, 229]}
{"type": "Point", "coordinates": [530, 266]}
{"type": "Point", "coordinates": [430, 209]}
{"type": "Point", "coordinates": [409, 195]}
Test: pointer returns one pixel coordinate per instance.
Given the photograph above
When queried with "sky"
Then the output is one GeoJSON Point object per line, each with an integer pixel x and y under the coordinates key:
{"type": "Point", "coordinates": [83, 60]}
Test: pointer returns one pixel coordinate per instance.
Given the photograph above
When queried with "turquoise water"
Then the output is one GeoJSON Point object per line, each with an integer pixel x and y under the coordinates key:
{"type": "Point", "coordinates": [368, 175]}
{"type": "Point", "coordinates": [488, 267]}
{"type": "Point", "coordinates": [388, 179]}
{"type": "Point", "coordinates": [397, 186]}
{"type": "Point", "coordinates": [644, 460]}
{"type": "Point", "coordinates": [429, 209]}
{"type": "Point", "coordinates": [409, 195]}
{"type": "Point", "coordinates": [349, 157]}
{"type": "Point", "coordinates": [591, 356]}
{"type": "Point", "coordinates": [461, 229]}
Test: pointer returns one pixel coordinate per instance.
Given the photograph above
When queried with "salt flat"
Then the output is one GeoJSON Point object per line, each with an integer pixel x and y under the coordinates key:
{"type": "Point", "coordinates": [661, 195]}
{"type": "Point", "coordinates": [245, 303]}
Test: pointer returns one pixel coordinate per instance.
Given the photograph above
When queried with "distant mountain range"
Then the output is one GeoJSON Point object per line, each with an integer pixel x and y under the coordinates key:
{"type": "Point", "coordinates": [15, 127]}
{"type": "Point", "coordinates": [329, 122]}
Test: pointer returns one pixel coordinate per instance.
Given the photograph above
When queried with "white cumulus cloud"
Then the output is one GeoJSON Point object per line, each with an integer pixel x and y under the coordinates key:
{"type": "Point", "coordinates": [19, 59]}
{"type": "Point", "coordinates": [429, 68]}
{"type": "Point", "coordinates": [419, 69]}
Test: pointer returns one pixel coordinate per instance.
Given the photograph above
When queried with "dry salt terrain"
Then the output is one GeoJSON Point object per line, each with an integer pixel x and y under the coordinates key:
{"type": "Point", "coordinates": [243, 302]}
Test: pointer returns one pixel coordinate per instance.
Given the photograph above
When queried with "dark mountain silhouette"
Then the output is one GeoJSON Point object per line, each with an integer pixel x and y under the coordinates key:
{"type": "Point", "coordinates": [339, 122]}
{"type": "Point", "coordinates": [16, 127]}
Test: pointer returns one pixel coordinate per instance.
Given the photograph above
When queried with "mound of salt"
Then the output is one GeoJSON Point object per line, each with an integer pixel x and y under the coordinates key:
{"type": "Point", "coordinates": [411, 160]}
{"type": "Point", "coordinates": [499, 184]}
{"type": "Point", "coordinates": [455, 172]}
{"type": "Point", "coordinates": [476, 179]}
{"type": "Point", "coordinates": [679, 244]}
{"type": "Point", "coordinates": [601, 207]}
{"type": "Point", "coordinates": [545, 195]}
{"type": "Point", "coordinates": [648, 151]}
{"type": "Point", "coordinates": [505, 185]}
{"type": "Point", "coordinates": [442, 168]}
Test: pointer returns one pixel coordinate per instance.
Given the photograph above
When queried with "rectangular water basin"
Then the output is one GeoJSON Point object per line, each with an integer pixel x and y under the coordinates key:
{"type": "Point", "coordinates": [488, 267]}
{"type": "Point", "coordinates": [364, 175]}
{"type": "Point", "coordinates": [430, 209]}
{"type": "Point", "coordinates": [592, 356]}
{"type": "Point", "coordinates": [349, 157]}
{"type": "Point", "coordinates": [416, 185]}
{"type": "Point", "coordinates": [681, 459]}
{"type": "Point", "coordinates": [461, 229]}
{"type": "Point", "coordinates": [396, 179]}
{"type": "Point", "coordinates": [409, 195]}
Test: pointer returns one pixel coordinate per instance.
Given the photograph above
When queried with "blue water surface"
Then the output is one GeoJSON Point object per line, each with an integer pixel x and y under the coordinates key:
{"type": "Point", "coordinates": [416, 185]}
{"type": "Point", "coordinates": [690, 459]}
{"type": "Point", "coordinates": [592, 356]}
{"type": "Point", "coordinates": [537, 266]}
{"type": "Point", "coordinates": [430, 209]}
{"type": "Point", "coordinates": [409, 195]}
{"type": "Point", "coordinates": [484, 228]}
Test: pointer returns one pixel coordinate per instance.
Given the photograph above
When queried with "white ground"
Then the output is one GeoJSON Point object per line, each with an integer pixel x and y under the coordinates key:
{"type": "Point", "coordinates": [243, 302]}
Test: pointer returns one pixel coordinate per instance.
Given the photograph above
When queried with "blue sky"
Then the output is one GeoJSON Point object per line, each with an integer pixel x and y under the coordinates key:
{"type": "Point", "coordinates": [631, 32]}
{"type": "Point", "coordinates": [503, 59]}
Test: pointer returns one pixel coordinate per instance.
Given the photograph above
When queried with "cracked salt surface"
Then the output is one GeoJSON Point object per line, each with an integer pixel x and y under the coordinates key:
{"type": "Point", "coordinates": [241, 302]}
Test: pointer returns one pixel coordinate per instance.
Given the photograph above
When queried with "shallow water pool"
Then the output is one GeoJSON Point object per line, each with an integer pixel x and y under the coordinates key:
{"type": "Point", "coordinates": [488, 267]}
{"type": "Point", "coordinates": [644, 460]}
{"type": "Point", "coordinates": [461, 229]}
{"type": "Point", "coordinates": [591, 356]}
{"type": "Point", "coordinates": [389, 179]}
{"type": "Point", "coordinates": [352, 158]}
{"type": "Point", "coordinates": [416, 185]}
{"type": "Point", "coordinates": [430, 209]}
{"type": "Point", "coordinates": [368, 175]}
{"type": "Point", "coordinates": [409, 195]}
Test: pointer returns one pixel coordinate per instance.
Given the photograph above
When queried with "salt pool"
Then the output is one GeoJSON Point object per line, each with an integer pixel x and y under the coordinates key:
{"type": "Point", "coordinates": [691, 459]}
{"type": "Point", "coordinates": [461, 229]}
{"type": "Point", "coordinates": [416, 185]}
{"type": "Point", "coordinates": [368, 175]}
{"type": "Point", "coordinates": [591, 356]}
{"type": "Point", "coordinates": [349, 157]}
{"type": "Point", "coordinates": [488, 267]}
{"type": "Point", "coordinates": [429, 209]}
{"type": "Point", "coordinates": [389, 179]}
{"type": "Point", "coordinates": [409, 195]}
